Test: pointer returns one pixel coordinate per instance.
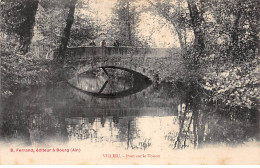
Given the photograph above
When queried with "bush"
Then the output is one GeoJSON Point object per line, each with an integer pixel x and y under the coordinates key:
{"type": "Point", "coordinates": [234, 85]}
{"type": "Point", "coordinates": [19, 70]}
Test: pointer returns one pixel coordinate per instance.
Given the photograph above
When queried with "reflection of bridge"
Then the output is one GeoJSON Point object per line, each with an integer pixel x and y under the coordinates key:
{"type": "Point", "coordinates": [146, 61]}
{"type": "Point", "coordinates": [138, 83]}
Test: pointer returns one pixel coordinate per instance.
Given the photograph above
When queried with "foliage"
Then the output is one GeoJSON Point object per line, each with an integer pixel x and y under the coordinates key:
{"type": "Point", "coordinates": [176, 14]}
{"type": "Point", "coordinates": [232, 28]}
{"type": "Point", "coordinates": [224, 33]}
{"type": "Point", "coordinates": [19, 18]}
{"type": "Point", "coordinates": [48, 32]}
{"type": "Point", "coordinates": [29, 68]}
{"type": "Point", "coordinates": [234, 86]}
{"type": "Point", "coordinates": [84, 28]}
{"type": "Point", "coordinates": [124, 23]}
{"type": "Point", "coordinates": [32, 67]}
{"type": "Point", "coordinates": [20, 70]}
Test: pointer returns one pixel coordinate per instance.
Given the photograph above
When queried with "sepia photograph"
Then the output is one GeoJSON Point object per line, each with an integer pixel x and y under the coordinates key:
{"type": "Point", "coordinates": [130, 82]}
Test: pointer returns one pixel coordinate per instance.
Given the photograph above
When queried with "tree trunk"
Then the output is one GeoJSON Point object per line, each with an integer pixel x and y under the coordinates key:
{"type": "Point", "coordinates": [26, 29]}
{"type": "Point", "coordinates": [253, 19]}
{"type": "Point", "coordinates": [66, 32]}
{"type": "Point", "coordinates": [255, 32]}
{"type": "Point", "coordinates": [180, 37]}
{"type": "Point", "coordinates": [129, 23]}
{"type": "Point", "coordinates": [235, 37]}
{"type": "Point", "coordinates": [196, 22]}
{"type": "Point", "coordinates": [235, 31]}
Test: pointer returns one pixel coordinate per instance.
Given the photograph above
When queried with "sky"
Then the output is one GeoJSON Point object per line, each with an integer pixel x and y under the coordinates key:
{"type": "Point", "coordinates": [161, 35]}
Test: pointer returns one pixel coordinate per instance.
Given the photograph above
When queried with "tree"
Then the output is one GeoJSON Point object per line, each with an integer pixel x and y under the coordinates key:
{"type": "Point", "coordinates": [244, 38]}
{"type": "Point", "coordinates": [84, 28]}
{"type": "Point", "coordinates": [19, 18]}
{"type": "Point", "coordinates": [196, 23]}
{"type": "Point", "coordinates": [174, 13]}
{"type": "Point", "coordinates": [124, 22]}
{"type": "Point", "coordinates": [185, 17]}
{"type": "Point", "coordinates": [232, 30]}
{"type": "Point", "coordinates": [66, 32]}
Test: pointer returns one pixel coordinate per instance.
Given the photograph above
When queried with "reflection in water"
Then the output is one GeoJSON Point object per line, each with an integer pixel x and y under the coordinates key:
{"type": "Point", "coordinates": [202, 123]}
{"type": "Point", "coordinates": [131, 132]}
{"type": "Point", "coordinates": [159, 116]}
{"type": "Point", "coordinates": [110, 82]}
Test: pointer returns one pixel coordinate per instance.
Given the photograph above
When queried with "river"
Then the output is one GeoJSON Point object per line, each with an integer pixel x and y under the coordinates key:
{"type": "Point", "coordinates": [121, 109]}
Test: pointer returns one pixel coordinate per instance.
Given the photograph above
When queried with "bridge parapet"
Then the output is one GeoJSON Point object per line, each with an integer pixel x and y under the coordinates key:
{"type": "Point", "coordinates": [83, 53]}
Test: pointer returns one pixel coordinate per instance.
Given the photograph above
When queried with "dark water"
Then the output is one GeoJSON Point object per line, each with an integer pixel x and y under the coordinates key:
{"type": "Point", "coordinates": [124, 109]}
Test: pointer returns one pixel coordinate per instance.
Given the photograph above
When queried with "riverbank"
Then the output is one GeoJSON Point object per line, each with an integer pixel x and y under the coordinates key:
{"type": "Point", "coordinates": [23, 72]}
{"type": "Point", "coordinates": [233, 84]}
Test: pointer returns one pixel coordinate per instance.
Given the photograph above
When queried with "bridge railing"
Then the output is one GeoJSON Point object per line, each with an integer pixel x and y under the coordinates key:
{"type": "Point", "coordinates": [83, 53]}
{"type": "Point", "coordinates": [102, 54]}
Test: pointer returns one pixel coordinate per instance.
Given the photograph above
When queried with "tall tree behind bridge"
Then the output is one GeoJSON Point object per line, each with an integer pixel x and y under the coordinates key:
{"type": "Point", "coordinates": [85, 27]}
{"type": "Point", "coordinates": [66, 32]}
{"type": "Point", "coordinates": [124, 22]}
{"type": "Point", "coordinates": [19, 18]}
{"type": "Point", "coordinates": [176, 14]}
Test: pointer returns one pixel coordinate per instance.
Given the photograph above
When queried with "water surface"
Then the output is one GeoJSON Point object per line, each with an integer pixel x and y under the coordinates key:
{"type": "Point", "coordinates": [88, 109]}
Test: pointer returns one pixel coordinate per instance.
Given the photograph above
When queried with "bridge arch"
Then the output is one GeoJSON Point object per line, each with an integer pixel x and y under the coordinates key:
{"type": "Point", "coordinates": [141, 60]}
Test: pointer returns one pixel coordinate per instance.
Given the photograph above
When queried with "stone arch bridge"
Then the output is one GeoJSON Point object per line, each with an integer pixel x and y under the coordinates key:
{"type": "Point", "coordinates": [147, 61]}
